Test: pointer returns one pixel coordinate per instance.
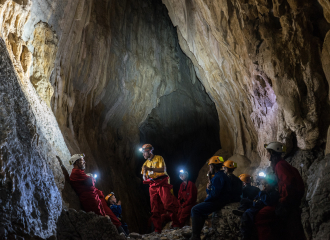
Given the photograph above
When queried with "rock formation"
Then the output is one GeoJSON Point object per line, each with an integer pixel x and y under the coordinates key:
{"type": "Point", "coordinates": [194, 77]}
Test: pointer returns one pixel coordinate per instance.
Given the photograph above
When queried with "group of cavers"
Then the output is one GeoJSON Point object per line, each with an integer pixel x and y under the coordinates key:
{"type": "Point", "coordinates": [267, 213]}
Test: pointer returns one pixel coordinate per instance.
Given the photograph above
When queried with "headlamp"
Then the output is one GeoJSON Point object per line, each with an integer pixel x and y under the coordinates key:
{"type": "Point", "coordinates": [140, 149]}
{"type": "Point", "coordinates": [262, 174]}
{"type": "Point", "coordinates": [95, 175]}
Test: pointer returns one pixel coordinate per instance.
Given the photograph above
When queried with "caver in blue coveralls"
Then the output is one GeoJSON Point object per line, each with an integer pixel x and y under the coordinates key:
{"type": "Point", "coordinates": [116, 209]}
{"type": "Point", "coordinates": [217, 196]}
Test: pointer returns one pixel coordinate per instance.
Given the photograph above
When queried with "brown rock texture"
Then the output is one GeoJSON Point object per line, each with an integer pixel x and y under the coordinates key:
{"type": "Point", "coordinates": [100, 76]}
{"type": "Point", "coordinates": [45, 47]}
{"type": "Point", "coordinates": [260, 62]}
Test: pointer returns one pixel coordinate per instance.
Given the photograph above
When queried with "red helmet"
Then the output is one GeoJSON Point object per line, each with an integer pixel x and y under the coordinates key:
{"type": "Point", "coordinates": [147, 147]}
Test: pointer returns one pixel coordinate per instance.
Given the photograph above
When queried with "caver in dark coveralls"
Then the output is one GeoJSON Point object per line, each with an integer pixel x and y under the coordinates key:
{"type": "Point", "coordinates": [187, 198]}
{"type": "Point", "coordinates": [217, 198]}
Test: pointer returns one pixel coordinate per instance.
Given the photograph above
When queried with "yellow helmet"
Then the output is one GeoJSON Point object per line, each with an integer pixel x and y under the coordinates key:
{"type": "Point", "coordinates": [245, 178]}
{"type": "Point", "coordinates": [109, 196]}
{"type": "Point", "coordinates": [230, 164]}
{"type": "Point", "coordinates": [215, 160]}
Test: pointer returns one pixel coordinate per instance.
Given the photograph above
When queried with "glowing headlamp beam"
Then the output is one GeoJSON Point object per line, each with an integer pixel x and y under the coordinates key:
{"type": "Point", "coordinates": [262, 174]}
{"type": "Point", "coordinates": [95, 175]}
{"type": "Point", "coordinates": [140, 149]}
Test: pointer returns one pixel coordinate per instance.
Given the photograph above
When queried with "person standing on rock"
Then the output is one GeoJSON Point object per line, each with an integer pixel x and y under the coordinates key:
{"type": "Point", "coordinates": [287, 212]}
{"type": "Point", "coordinates": [236, 184]}
{"type": "Point", "coordinates": [218, 195]}
{"type": "Point", "coordinates": [90, 197]}
{"type": "Point", "coordinates": [154, 174]}
{"type": "Point", "coordinates": [187, 198]}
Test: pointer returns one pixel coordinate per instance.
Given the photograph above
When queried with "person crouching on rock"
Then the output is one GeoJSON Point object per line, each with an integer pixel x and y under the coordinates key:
{"type": "Point", "coordinates": [91, 199]}
{"type": "Point", "coordinates": [248, 194]}
{"type": "Point", "coordinates": [187, 198]}
{"type": "Point", "coordinates": [269, 196]}
{"type": "Point", "coordinates": [154, 174]}
{"type": "Point", "coordinates": [116, 209]}
{"type": "Point", "coordinates": [236, 184]}
{"type": "Point", "coordinates": [218, 195]}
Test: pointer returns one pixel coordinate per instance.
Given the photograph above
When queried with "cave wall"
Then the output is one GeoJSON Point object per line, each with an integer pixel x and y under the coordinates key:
{"type": "Point", "coordinates": [103, 66]}
{"type": "Point", "coordinates": [261, 63]}
{"type": "Point", "coordinates": [31, 177]}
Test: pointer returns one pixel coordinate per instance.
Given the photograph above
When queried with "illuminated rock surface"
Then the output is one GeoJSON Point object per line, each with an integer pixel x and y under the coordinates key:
{"type": "Point", "coordinates": [100, 76]}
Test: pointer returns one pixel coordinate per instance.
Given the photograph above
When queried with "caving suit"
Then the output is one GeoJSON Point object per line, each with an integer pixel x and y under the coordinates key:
{"type": "Point", "coordinates": [262, 200]}
{"type": "Point", "coordinates": [160, 193]}
{"type": "Point", "coordinates": [187, 198]}
{"type": "Point", "coordinates": [236, 188]}
{"type": "Point", "coordinates": [217, 197]}
{"type": "Point", "coordinates": [117, 210]}
{"type": "Point", "coordinates": [286, 214]}
{"type": "Point", "coordinates": [248, 194]}
{"type": "Point", "coordinates": [108, 211]}
{"type": "Point", "coordinates": [87, 192]}
{"type": "Point", "coordinates": [90, 197]}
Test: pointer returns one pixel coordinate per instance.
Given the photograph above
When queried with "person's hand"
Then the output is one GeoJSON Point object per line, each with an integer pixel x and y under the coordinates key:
{"type": "Point", "coordinates": [107, 216]}
{"type": "Point", "coordinates": [119, 203]}
{"type": "Point", "coordinates": [145, 168]}
{"type": "Point", "coordinates": [209, 186]}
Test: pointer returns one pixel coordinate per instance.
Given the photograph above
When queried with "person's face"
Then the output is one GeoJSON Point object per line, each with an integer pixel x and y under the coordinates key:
{"type": "Point", "coordinates": [147, 154]}
{"type": "Point", "coordinates": [81, 163]}
{"type": "Point", "coordinates": [211, 169]}
{"type": "Point", "coordinates": [225, 170]}
{"type": "Point", "coordinates": [113, 199]}
{"type": "Point", "coordinates": [266, 186]}
{"type": "Point", "coordinates": [244, 184]}
{"type": "Point", "coordinates": [268, 155]}
{"type": "Point", "coordinates": [183, 176]}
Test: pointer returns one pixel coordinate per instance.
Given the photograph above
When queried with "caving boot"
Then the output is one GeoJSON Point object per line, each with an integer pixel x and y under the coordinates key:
{"type": "Point", "coordinates": [238, 212]}
{"type": "Point", "coordinates": [121, 230]}
{"type": "Point", "coordinates": [197, 226]}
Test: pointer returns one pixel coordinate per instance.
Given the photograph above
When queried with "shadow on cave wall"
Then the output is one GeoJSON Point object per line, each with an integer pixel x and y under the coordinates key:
{"type": "Point", "coordinates": [183, 128]}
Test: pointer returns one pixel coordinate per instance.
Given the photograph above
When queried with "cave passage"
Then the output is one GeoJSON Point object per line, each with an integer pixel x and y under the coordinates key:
{"type": "Point", "coordinates": [183, 128]}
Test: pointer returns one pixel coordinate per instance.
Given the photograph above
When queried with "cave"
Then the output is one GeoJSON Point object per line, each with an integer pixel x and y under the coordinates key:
{"type": "Point", "coordinates": [194, 78]}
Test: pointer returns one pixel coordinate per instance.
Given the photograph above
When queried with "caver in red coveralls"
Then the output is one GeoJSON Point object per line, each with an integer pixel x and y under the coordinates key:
{"type": "Point", "coordinates": [187, 198]}
{"type": "Point", "coordinates": [89, 195]}
{"type": "Point", "coordinates": [166, 217]}
{"type": "Point", "coordinates": [160, 194]}
{"type": "Point", "coordinates": [291, 189]}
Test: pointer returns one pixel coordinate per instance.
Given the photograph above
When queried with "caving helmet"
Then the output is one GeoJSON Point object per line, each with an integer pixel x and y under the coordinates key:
{"type": "Point", "coordinates": [147, 147]}
{"type": "Point", "coordinates": [109, 196]}
{"type": "Point", "coordinates": [76, 157]}
{"type": "Point", "coordinates": [276, 146]}
{"type": "Point", "coordinates": [215, 160]}
{"type": "Point", "coordinates": [230, 164]}
{"type": "Point", "coordinates": [245, 178]}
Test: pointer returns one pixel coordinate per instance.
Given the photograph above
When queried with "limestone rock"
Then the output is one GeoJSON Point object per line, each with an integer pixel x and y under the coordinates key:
{"type": "Point", "coordinates": [85, 226]}
{"type": "Point", "coordinates": [45, 47]}
{"type": "Point", "coordinates": [30, 177]}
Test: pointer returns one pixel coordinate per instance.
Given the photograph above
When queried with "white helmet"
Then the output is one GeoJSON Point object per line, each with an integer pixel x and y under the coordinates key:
{"type": "Point", "coordinates": [75, 157]}
{"type": "Point", "coordinates": [276, 146]}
